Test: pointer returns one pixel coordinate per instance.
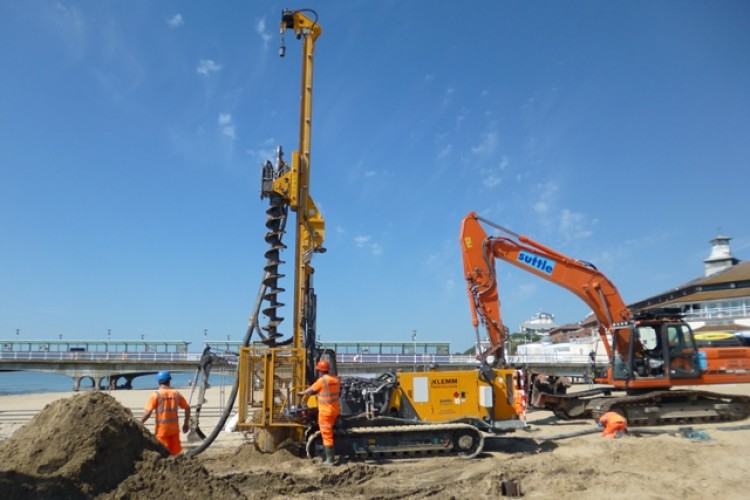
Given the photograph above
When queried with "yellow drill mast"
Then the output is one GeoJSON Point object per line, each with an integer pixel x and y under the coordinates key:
{"type": "Point", "coordinates": [295, 184]}
{"type": "Point", "coordinates": [270, 375]}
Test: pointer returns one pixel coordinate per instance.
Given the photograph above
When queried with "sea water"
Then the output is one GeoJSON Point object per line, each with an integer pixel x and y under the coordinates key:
{"type": "Point", "coordinates": [28, 382]}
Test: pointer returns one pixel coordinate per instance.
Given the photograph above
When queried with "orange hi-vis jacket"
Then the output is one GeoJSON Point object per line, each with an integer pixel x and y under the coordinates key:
{"type": "Point", "coordinates": [328, 388]}
{"type": "Point", "coordinates": [612, 422]}
{"type": "Point", "coordinates": [166, 402]}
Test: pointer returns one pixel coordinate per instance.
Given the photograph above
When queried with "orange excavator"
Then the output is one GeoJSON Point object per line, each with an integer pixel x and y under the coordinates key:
{"type": "Point", "coordinates": [649, 353]}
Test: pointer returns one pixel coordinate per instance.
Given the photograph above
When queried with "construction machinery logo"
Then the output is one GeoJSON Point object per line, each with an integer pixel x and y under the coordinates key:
{"type": "Point", "coordinates": [443, 382]}
{"type": "Point", "coordinates": [535, 261]}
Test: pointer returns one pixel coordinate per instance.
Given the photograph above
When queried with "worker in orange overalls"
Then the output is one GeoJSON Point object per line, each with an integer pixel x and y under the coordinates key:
{"type": "Point", "coordinates": [613, 424]}
{"type": "Point", "coordinates": [327, 388]}
{"type": "Point", "coordinates": [167, 401]}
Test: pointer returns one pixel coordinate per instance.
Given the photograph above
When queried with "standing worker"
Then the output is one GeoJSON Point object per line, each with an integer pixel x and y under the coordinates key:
{"type": "Point", "coordinates": [591, 373]}
{"type": "Point", "coordinates": [167, 401]}
{"type": "Point", "coordinates": [613, 424]}
{"type": "Point", "coordinates": [327, 388]}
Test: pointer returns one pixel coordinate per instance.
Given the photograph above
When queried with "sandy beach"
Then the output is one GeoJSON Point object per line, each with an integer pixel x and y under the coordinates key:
{"type": "Point", "coordinates": [706, 460]}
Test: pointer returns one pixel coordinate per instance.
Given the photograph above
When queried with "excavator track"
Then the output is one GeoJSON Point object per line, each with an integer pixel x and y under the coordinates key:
{"type": "Point", "coordinates": [674, 407]}
{"type": "Point", "coordinates": [402, 441]}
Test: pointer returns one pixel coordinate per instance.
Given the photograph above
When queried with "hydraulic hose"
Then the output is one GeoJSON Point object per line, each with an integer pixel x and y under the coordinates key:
{"type": "Point", "coordinates": [252, 326]}
{"type": "Point", "coordinates": [235, 388]}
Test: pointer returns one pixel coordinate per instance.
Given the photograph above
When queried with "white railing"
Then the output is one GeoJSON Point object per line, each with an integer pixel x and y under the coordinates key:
{"type": "Point", "coordinates": [553, 358]}
{"type": "Point", "coordinates": [742, 311]}
{"type": "Point", "coordinates": [97, 356]}
{"type": "Point", "coordinates": [405, 358]}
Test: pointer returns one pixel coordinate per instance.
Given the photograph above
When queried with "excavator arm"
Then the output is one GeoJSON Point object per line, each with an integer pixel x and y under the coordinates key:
{"type": "Point", "coordinates": [581, 278]}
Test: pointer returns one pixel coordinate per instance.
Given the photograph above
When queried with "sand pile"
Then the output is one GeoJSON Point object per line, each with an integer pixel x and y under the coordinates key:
{"type": "Point", "coordinates": [88, 442]}
{"type": "Point", "coordinates": [86, 446]}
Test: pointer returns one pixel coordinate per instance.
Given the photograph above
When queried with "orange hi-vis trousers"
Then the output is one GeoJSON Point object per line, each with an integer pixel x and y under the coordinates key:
{"type": "Point", "coordinates": [325, 422]}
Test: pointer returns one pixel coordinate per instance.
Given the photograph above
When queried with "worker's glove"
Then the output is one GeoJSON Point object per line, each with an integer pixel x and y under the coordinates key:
{"type": "Point", "coordinates": [599, 425]}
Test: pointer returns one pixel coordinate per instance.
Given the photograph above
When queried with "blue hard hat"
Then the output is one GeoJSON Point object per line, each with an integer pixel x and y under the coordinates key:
{"type": "Point", "coordinates": [163, 376]}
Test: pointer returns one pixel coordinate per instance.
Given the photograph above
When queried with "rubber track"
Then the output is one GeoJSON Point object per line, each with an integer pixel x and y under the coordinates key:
{"type": "Point", "coordinates": [396, 429]}
{"type": "Point", "coordinates": [604, 405]}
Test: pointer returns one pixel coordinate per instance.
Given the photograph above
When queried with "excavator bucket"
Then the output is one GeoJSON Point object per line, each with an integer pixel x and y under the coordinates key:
{"type": "Point", "coordinates": [195, 434]}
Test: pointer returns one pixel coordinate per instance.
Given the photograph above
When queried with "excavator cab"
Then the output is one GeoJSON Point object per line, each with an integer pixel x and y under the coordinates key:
{"type": "Point", "coordinates": [656, 349]}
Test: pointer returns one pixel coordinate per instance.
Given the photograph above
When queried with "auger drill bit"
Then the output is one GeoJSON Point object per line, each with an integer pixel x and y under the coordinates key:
{"type": "Point", "coordinates": [275, 215]}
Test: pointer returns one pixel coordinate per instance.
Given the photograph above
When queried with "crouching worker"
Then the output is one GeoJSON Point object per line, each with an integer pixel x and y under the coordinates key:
{"type": "Point", "coordinates": [613, 423]}
{"type": "Point", "coordinates": [167, 402]}
{"type": "Point", "coordinates": [327, 389]}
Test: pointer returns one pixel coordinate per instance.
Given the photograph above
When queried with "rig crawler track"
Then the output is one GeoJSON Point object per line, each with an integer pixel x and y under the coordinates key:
{"type": "Point", "coordinates": [462, 440]}
{"type": "Point", "coordinates": [675, 407]}
{"type": "Point", "coordinates": [652, 408]}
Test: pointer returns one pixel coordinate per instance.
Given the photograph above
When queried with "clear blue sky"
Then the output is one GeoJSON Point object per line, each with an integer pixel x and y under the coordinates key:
{"type": "Point", "coordinates": [132, 134]}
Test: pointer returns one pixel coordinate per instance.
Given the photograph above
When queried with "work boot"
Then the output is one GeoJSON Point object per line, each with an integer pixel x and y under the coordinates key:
{"type": "Point", "coordinates": [329, 450]}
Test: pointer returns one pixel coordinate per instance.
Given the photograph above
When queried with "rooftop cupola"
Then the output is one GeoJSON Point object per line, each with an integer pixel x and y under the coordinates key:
{"type": "Point", "coordinates": [721, 256]}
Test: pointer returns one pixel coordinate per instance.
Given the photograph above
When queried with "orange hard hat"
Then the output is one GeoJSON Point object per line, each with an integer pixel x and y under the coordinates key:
{"type": "Point", "coordinates": [323, 366]}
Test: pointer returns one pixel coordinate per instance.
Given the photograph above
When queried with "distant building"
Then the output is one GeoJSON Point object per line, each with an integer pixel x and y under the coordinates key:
{"type": "Point", "coordinates": [540, 324]}
{"type": "Point", "coordinates": [721, 256]}
{"type": "Point", "coordinates": [718, 301]}
{"type": "Point", "coordinates": [574, 331]}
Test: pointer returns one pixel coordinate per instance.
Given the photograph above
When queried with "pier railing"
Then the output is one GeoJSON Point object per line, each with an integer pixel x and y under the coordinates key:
{"type": "Point", "coordinates": [106, 368]}
{"type": "Point", "coordinates": [97, 356]}
{"type": "Point", "coordinates": [384, 359]}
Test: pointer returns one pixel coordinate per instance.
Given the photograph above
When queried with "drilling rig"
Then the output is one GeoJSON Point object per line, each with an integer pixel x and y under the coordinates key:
{"type": "Point", "coordinates": [430, 412]}
{"type": "Point", "coordinates": [272, 372]}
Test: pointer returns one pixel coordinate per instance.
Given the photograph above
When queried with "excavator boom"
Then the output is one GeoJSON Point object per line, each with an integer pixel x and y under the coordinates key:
{"type": "Point", "coordinates": [581, 278]}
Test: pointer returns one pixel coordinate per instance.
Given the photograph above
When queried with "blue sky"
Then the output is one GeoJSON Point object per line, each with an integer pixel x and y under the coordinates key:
{"type": "Point", "coordinates": [132, 134]}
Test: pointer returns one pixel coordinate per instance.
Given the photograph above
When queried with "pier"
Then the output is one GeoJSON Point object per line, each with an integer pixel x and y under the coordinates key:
{"type": "Point", "coordinates": [114, 364]}
{"type": "Point", "coordinates": [104, 364]}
